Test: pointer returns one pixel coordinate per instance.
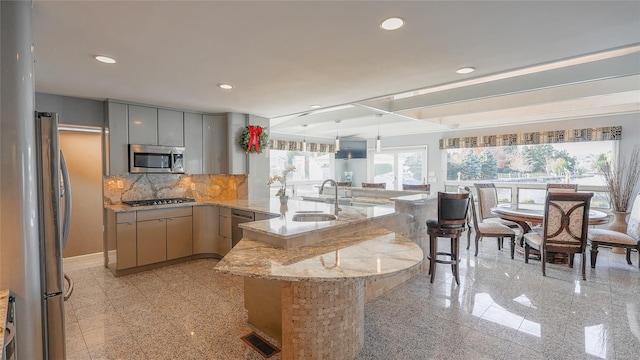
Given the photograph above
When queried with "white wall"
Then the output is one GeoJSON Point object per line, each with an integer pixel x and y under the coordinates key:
{"type": "Point", "coordinates": [258, 166]}
{"type": "Point", "coordinates": [437, 162]}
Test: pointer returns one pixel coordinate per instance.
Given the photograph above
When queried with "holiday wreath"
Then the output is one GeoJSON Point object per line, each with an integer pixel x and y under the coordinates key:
{"type": "Point", "coordinates": [254, 139]}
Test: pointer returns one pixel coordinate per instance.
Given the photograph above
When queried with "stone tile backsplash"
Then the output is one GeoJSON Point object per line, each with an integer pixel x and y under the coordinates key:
{"type": "Point", "coordinates": [161, 186]}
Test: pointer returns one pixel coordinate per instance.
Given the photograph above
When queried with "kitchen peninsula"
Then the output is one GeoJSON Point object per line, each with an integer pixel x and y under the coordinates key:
{"type": "Point", "coordinates": [304, 281]}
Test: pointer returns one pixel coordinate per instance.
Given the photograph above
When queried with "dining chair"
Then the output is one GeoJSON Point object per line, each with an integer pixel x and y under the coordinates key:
{"type": "Point", "coordinates": [375, 185]}
{"type": "Point", "coordinates": [487, 199]}
{"type": "Point", "coordinates": [422, 187]}
{"type": "Point", "coordinates": [489, 229]}
{"type": "Point", "coordinates": [564, 228]}
{"type": "Point", "coordinates": [562, 187]}
{"type": "Point", "coordinates": [628, 241]}
{"type": "Point", "coordinates": [451, 223]}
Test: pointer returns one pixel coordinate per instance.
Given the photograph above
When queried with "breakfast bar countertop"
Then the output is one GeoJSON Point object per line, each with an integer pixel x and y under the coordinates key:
{"type": "Point", "coordinates": [374, 252]}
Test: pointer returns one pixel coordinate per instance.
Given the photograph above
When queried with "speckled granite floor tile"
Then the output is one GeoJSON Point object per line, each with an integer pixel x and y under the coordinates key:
{"type": "Point", "coordinates": [503, 309]}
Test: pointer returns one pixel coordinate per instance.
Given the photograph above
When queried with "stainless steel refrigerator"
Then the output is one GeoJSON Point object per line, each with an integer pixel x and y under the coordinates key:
{"type": "Point", "coordinates": [54, 197]}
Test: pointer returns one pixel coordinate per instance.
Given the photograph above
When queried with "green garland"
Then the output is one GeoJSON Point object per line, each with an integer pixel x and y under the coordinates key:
{"type": "Point", "coordinates": [244, 141]}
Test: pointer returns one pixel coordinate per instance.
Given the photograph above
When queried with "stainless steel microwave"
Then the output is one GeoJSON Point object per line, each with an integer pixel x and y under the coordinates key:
{"type": "Point", "coordinates": [156, 159]}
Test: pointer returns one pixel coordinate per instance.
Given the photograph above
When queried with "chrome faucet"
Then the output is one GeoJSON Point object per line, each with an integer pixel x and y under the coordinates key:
{"type": "Point", "coordinates": [335, 185]}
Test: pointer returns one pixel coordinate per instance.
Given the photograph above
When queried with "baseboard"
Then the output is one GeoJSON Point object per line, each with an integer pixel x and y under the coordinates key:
{"type": "Point", "coordinates": [83, 261]}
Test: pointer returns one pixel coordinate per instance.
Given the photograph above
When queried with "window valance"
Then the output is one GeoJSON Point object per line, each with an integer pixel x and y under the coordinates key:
{"type": "Point", "coordinates": [297, 146]}
{"type": "Point", "coordinates": [538, 137]}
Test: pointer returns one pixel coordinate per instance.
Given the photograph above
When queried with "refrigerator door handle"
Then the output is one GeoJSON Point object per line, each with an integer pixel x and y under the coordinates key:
{"type": "Point", "coordinates": [67, 200]}
{"type": "Point", "coordinates": [69, 291]}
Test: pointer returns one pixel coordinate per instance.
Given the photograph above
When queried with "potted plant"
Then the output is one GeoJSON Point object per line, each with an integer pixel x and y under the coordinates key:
{"type": "Point", "coordinates": [282, 179]}
{"type": "Point", "coordinates": [621, 181]}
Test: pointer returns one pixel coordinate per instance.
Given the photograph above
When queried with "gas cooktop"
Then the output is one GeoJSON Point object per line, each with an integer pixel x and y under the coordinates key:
{"type": "Point", "coordinates": [150, 202]}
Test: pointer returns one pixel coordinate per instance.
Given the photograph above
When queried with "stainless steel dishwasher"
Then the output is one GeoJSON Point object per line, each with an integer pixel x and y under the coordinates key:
{"type": "Point", "coordinates": [238, 217]}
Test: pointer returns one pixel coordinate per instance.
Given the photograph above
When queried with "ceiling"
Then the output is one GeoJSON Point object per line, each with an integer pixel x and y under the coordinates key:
{"type": "Point", "coordinates": [535, 61]}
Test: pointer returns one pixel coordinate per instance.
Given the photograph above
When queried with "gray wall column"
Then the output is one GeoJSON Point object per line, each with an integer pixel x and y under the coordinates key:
{"type": "Point", "coordinates": [19, 254]}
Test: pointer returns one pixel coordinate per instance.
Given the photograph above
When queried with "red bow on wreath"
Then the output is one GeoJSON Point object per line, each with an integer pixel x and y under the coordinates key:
{"type": "Point", "coordinates": [254, 137]}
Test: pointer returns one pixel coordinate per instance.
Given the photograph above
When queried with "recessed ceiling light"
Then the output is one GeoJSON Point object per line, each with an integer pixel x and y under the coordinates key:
{"type": "Point", "coordinates": [105, 59]}
{"type": "Point", "coordinates": [316, 106]}
{"type": "Point", "coordinates": [465, 70]}
{"type": "Point", "coordinates": [225, 86]}
{"type": "Point", "coordinates": [392, 23]}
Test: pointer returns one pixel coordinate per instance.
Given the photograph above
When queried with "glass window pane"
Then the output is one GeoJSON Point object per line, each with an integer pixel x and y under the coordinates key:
{"type": "Point", "coordinates": [543, 163]}
{"type": "Point", "coordinates": [384, 169]}
{"type": "Point", "coordinates": [412, 172]}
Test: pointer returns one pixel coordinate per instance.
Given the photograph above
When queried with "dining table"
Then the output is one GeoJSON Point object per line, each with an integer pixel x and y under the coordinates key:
{"type": "Point", "coordinates": [529, 215]}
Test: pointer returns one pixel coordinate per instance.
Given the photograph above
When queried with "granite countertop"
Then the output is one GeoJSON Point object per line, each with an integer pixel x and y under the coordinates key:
{"type": "Point", "coordinates": [282, 226]}
{"type": "Point", "coordinates": [353, 253]}
{"type": "Point", "coordinates": [369, 253]}
{"type": "Point", "coordinates": [4, 305]}
{"type": "Point", "coordinates": [416, 198]}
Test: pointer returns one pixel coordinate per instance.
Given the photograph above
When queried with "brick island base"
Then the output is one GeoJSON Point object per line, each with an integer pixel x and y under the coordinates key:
{"type": "Point", "coordinates": [312, 319]}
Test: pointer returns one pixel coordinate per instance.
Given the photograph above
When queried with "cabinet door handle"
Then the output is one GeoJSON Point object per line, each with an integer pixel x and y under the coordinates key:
{"type": "Point", "coordinates": [129, 223]}
{"type": "Point", "coordinates": [170, 219]}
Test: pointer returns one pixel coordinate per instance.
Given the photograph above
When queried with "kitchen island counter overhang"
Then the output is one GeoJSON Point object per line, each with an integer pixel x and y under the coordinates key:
{"type": "Point", "coordinates": [313, 275]}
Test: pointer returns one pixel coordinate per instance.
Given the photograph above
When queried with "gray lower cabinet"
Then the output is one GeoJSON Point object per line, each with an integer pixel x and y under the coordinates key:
{"type": "Point", "coordinates": [164, 234]}
{"type": "Point", "coordinates": [152, 241]}
{"type": "Point", "coordinates": [205, 229]}
{"type": "Point", "coordinates": [126, 244]}
{"type": "Point", "coordinates": [179, 237]}
{"type": "Point", "coordinates": [224, 230]}
{"type": "Point", "coordinates": [138, 238]}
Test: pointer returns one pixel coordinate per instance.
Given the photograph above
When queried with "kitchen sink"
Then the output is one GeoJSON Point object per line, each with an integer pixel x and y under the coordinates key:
{"type": "Point", "coordinates": [314, 217]}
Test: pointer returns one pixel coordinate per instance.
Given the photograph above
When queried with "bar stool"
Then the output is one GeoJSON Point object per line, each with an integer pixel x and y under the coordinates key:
{"type": "Point", "coordinates": [451, 223]}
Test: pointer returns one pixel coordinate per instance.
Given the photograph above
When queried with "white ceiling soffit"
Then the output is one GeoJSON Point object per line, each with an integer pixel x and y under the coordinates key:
{"type": "Point", "coordinates": [285, 56]}
{"type": "Point", "coordinates": [602, 85]}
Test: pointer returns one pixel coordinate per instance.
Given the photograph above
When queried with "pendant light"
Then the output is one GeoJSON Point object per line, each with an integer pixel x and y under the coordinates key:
{"type": "Point", "coordinates": [304, 138]}
{"type": "Point", "coordinates": [337, 138]}
{"type": "Point", "coordinates": [378, 142]}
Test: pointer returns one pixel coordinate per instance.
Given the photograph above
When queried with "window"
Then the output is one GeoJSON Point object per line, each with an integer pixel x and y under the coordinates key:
{"type": "Point", "coordinates": [311, 169]}
{"type": "Point", "coordinates": [399, 166]}
{"type": "Point", "coordinates": [575, 163]}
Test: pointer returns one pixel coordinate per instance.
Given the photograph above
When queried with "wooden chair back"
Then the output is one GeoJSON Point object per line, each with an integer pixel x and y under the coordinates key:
{"type": "Point", "coordinates": [633, 224]}
{"type": "Point", "coordinates": [375, 185]}
{"type": "Point", "coordinates": [343, 183]}
{"type": "Point", "coordinates": [473, 217]}
{"type": "Point", "coordinates": [487, 199]}
{"type": "Point", "coordinates": [566, 222]}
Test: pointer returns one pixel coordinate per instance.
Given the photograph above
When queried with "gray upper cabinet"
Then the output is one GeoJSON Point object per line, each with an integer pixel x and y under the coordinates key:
{"type": "Point", "coordinates": [117, 141]}
{"type": "Point", "coordinates": [208, 140]}
{"type": "Point", "coordinates": [143, 125]}
{"type": "Point", "coordinates": [170, 128]}
{"type": "Point", "coordinates": [193, 143]}
{"type": "Point", "coordinates": [214, 144]}
{"type": "Point", "coordinates": [236, 156]}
